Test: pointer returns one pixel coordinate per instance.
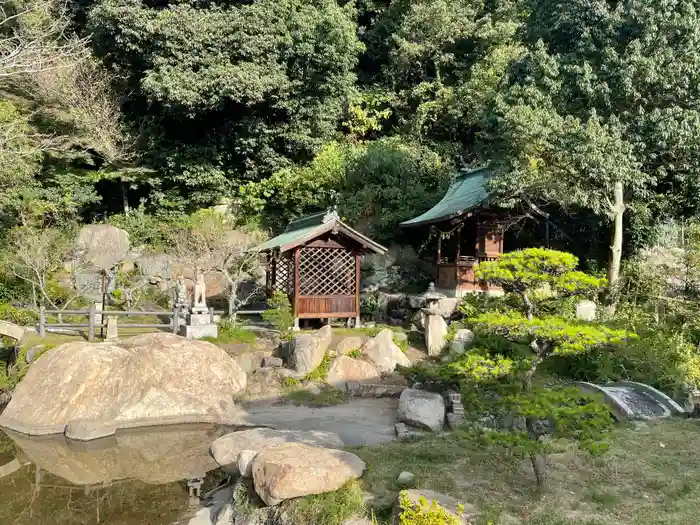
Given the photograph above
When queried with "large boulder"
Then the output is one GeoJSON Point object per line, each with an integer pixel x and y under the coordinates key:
{"type": "Point", "coordinates": [101, 245]}
{"type": "Point", "coordinates": [155, 266]}
{"type": "Point", "coordinates": [348, 344]}
{"type": "Point", "coordinates": [423, 498]}
{"type": "Point", "coordinates": [251, 361]}
{"type": "Point", "coordinates": [435, 333]}
{"type": "Point", "coordinates": [344, 369]}
{"type": "Point", "coordinates": [147, 380]}
{"type": "Point", "coordinates": [226, 449]}
{"type": "Point", "coordinates": [307, 350]}
{"type": "Point", "coordinates": [384, 353]}
{"type": "Point", "coordinates": [422, 409]}
{"type": "Point", "coordinates": [293, 470]}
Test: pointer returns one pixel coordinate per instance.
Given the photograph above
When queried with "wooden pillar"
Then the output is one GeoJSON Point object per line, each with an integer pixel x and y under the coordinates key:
{"type": "Point", "coordinates": [91, 322]}
{"type": "Point", "coordinates": [272, 271]}
{"type": "Point", "coordinates": [176, 319]}
{"type": "Point", "coordinates": [357, 290]}
{"type": "Point", "coordinates": [297, 287]}
{"type": "Point", "coordinates": [439, 248]}
{"type": "Point", "coordinates": [42, 322]}
{"type": "Point", "coordinates": [458, 236]}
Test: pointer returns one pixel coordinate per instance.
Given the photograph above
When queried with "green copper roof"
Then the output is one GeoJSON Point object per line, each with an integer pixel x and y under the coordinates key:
{"type": "Point", "coordinates": [467, 191]}
{"type": "Point", "coordinates": [305, 229]}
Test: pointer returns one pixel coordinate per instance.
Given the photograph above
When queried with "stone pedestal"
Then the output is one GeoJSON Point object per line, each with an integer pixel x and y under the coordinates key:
{"type": "Point", "coordinates": [199, 325]}
{"type": "Point", "coordinates": [435, 332]}
{"type": "Point", "coordinates": [199, 331]}
{"type": "Point", "coordinates": [112, 329]}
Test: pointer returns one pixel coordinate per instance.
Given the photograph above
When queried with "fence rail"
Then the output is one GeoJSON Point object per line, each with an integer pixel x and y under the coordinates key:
{"type": "Point", "coordinates": [94, 314]}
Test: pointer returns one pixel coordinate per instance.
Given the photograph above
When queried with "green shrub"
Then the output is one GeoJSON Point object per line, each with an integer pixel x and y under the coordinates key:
{"type": "Point", "coordinates": [280, 315]}
{"type": "Point", "coordinates": [230, 335]}
{"type": "Point", "coordinates": [330, 508]}
{"type": "Point", "coordinates": [402, 344]}
{"type": "Point", "coordinates": [662, 359]}
{"type": "Point", "coordinates": [18, 316]}
{"type": "Point", "coordinates": [321, 371]}
{"type": "Point", "coordinates": [425, 513]}
{"type": "Point", "coordinates": [290, 382]}
{"type": "Point", "coordinates": [153, 231]}
{"type": "Point", "coordinates": [369, 306]}
{"type": "Point", "coordinates": [355, 353]}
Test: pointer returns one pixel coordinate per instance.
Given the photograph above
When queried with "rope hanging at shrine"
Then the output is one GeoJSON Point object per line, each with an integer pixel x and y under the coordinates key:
{"type": "Point", "coordinates": [447, 234]}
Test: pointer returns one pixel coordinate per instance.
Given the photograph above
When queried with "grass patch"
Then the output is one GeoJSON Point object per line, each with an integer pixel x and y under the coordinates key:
{"type": "Point", "coordinates": [604, 498]}
{"type": "Point", "coordinates": [637, 482]}
{"type": "Point", "coordinates": [290, 382]}
{"type": "Point", "coordinates": [331, 508]}
{"type": "Point", "coordinates": [321, 371]}
{"type": "Point", "coordinates": [326, 397]}
{"type": "Point", "coordinates": [236, 335]}
{"type": "Point", "coordinates": [369, 332]}
{"type": "Point", "coordinates": [355, 354]}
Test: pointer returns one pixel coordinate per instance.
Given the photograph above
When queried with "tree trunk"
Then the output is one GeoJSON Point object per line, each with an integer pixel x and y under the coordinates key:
{"type": "Point", "coordinates": [538, 467]}
{"type": "Point", "coordinates": [537, 460]}
{"type": "Point", "coordinates": [529, 307]}
{"type": "Point", "coordinates": [125, 198]}
{"type": "Point", "coordinates": [614, 264]}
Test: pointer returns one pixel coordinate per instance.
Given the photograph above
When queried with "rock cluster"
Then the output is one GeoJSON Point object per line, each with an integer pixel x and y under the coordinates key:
{"type": "Point", "coordinates": [285, 464]}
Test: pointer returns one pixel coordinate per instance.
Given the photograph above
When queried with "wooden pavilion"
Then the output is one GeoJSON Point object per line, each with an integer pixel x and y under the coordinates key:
{"type": "Point", "coordinates": [316, 262]}
{"type": "Point", "coordinates": [468, 229]}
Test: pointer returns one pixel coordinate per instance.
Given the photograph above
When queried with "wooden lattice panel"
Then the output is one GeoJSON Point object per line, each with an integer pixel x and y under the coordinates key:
{"type": "Point", "coordinates": [327, 271]}
{"type": "Point", "coordinates": [284, 276]}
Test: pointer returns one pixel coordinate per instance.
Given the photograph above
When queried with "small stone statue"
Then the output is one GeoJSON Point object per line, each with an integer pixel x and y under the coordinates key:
{"type": "Point", "coordinates": [200, 294]}
{"type": "Point", "coordinates": [431, 287]}
{"type": "Point", "coordinates": [181, 292]}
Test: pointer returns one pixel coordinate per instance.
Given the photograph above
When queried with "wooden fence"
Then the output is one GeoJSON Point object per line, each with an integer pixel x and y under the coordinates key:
{"type": "Point", "coordinates": [94, 315]}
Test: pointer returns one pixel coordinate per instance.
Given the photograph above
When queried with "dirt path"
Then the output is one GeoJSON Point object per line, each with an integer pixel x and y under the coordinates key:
{"type": "Point", "coordinates": [358, 422]}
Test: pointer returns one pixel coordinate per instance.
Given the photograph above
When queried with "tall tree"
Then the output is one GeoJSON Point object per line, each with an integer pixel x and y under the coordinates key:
{"type": "Point", "coordinates": [602, 111]}
{"type": "Point", "coordinates": [230, 92]}
{"type": "Point", "coordinates": [439, 61]}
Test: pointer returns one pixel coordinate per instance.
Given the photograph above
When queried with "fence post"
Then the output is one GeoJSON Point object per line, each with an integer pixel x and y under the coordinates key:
{"type": "Point", "coordinates": [211, 315]}
{"type": "Point", "coordinates": [42, 322]}
{"type": "Point", "coordinates": [176, 318]}
{"type": "Point", "coordinates": [91, 322]}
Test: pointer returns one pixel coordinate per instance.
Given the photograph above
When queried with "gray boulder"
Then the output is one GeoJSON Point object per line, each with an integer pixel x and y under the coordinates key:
{"type": "Point", "coordinates": [155, 265]}
{"type": "Point", "coordinates": [147, 380]}
{"type": "Point", "coordinates": [101, 245]}
{"type": "Point", "coordinates": [347, 344]}
{"type": "Point", "coordinates": [384, 353]}
{"type": "Point", "coordinates": [226, 449]}
{"type": "Point", "coordinates": [422, 409]}
{"type": "Point", "coordinates": [293, 470]}
{"type": "Point", "coordinates": [245, 462]}
{"type": "Point", "coordinates": [344, 369]}
{"type": "Point", "coordinates": [307, 350]}
{"type": "Point", "coordinates": [251, 361]}
{"type": "Point", "coordinates": [272, 362]}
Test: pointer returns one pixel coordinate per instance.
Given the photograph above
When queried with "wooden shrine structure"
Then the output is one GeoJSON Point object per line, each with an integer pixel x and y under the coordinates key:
{"type": "Point", "coordinates": [316, 262]}
{"type": "Point", "coordinates": [468, 231]}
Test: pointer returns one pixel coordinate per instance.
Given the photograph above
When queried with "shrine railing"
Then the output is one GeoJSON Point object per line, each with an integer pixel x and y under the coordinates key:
{"type": "Point", "coordinates": [326, 306]}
